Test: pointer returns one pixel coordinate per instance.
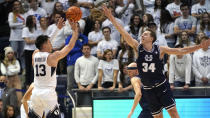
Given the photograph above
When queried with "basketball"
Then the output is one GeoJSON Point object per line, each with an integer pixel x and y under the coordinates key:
{"type": "Point", "coordinates": [73, 14]}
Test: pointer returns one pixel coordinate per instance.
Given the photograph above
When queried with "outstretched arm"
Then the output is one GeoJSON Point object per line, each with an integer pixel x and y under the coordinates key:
{"type": "Point", "coordinates": [136, 83]}
{"type": "Point", "coordinates": [182, 51]}
{"type": "Point", "coordinates": [132, 42]}
{"type": "Point", "coordinates": [56, 56]}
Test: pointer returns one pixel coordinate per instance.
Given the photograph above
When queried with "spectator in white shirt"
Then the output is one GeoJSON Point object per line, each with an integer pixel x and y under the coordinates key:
{"type": "Point", "coordinates": [107, 71]}
{"type": "Point", "coordinates": [124, 11]}
{"type": "Point", "coordinates": [29, 34]}
{"type": "Point", "coordinates": [201, 66]}
{"type": "Point", "coordinates": [16, 22]}
{"type": "Point", "coordinates": [38, 12]}
{"type": "Point", "coordinates": [86, 69]}
{"type": "Point", "coordinates": [204, 25]}
{"type": "Point", "coordinates": [115, 35]}
{"type": "Point", "coordinates": [106, 43]}
{"type": "Point", "coordinates": [199, 8]}
{"type": "Point", "coordinates": [94, 37]}
{"type": "Point", "coordinates": [180, 70]}
{"type": "Point", "coordinates": [174, 9]}
{"type": "Point", "coordinates": [11, 67]}
{"type": "Point", "coordinates": [43, 26]}
{"type": "Point", "coordinates": [186, 22]}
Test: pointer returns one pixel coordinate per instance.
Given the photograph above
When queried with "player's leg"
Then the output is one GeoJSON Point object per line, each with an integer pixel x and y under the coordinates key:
{"type": "Point", "coordinates": [173, 112]}
{"type": "Point", "coordinates": [167, 100]}
{"type": "Point", "coordinates": [160, 115]}
{"type": "Point", "coordinates": [153, 101]}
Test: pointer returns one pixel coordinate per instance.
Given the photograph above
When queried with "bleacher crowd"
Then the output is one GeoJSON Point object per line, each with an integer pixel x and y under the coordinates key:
{"type": "Point", "coordinates": [100, 56]}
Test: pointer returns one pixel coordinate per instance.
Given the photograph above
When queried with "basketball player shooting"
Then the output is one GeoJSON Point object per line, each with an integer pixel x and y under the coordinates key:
{"type": "Point", "coordinates": [150, 67]}
{"type": "Point", "coordinates": [44, 98]}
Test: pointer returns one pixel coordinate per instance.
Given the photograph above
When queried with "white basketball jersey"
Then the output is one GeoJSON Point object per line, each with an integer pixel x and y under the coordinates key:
{"type": "Point", "coordinates": [44, 75]}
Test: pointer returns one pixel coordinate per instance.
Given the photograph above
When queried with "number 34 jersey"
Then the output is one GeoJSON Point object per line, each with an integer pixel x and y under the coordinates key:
{"type": "Point", "coordinates": [44, 75]}
{"type": "Point", "coordinates": [150, 66]}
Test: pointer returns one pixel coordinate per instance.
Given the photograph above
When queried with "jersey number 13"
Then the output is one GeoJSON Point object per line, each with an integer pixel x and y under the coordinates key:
{"type": "Point", "coordinates": [40, 70]}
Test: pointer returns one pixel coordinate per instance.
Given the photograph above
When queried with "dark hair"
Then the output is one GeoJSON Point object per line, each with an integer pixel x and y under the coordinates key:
{"type": "Point", "coordinates": [40, 40]}
{"type": "Point", "coordinates": [184, 5]}
{"type": "Point", "coordinates": [29, 23]}
{"type": "Point", "coordinates": [202, 23]}
{"type": "Point", "coordinates": [86, 45]}
{"type": "Point", "coordinates": [132, 25]}
{"type": "Point", "coordinates": [165, 19]}
{"type": "Point", "coordinates": [105, 52]}
{"type": "Point", "coordinates": [32, 0]}
{"type": "Point", "coordinates": [7, 107]}
{"type": "Point", "coordinates": [152, 34]}
{"type": "Point", "coordinates": [106, 27]}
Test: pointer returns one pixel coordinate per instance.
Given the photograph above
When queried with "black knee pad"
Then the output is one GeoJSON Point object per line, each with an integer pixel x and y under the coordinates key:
{"type": "Point", "coordinates": [55, 113]}
{"type": "Point", "coordinates": [32, 114]}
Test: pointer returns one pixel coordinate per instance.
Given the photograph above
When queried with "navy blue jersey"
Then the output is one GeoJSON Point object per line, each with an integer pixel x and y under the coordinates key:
{"type": "Point", "coordinates": [150, 66]}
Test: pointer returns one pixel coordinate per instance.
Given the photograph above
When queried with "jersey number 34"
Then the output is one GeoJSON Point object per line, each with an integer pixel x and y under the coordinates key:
{"type": "Point", "coordinates": [147, 67]}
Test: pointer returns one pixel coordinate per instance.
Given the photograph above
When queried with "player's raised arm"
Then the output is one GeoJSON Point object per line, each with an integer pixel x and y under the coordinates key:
{"type": "Point", "coordinates": [185, 50]}
{"type": "Point", "coordinates": [56, 56]}
{"type": "Point", "coordinates": [132, 42]}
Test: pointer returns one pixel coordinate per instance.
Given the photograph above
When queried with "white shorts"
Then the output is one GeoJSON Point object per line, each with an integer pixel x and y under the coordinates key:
{"type": "Point", "coordinates": [43, 100]}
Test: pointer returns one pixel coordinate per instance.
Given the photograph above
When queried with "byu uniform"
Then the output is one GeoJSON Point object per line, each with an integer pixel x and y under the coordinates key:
{"type": "Point", "coordinates": [44, 97]}
{"type": "Point", "coordinates": [157, 89]}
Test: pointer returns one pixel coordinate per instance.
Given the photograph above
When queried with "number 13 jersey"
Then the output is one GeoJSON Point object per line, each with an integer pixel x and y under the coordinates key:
{"type": "Point", "coordinates": [44, 75]}
{"type": "Point", "coordinates": [150, 66]}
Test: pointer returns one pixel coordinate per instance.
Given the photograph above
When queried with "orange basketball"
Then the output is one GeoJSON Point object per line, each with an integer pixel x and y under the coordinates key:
{"type": "Point", "coordinates": [73, 14]}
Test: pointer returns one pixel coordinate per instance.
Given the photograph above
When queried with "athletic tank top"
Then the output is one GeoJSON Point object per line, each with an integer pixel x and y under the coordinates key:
{"type": "Point", "coordinates": [150, 66]}
{"type": "Point", "coordinates": [44, 75]}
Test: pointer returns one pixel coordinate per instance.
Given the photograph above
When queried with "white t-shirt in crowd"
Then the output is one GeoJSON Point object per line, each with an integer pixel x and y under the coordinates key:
{"type": "Point", "coordinates": [40, 12]}
{"type": "Point", "coordinates": [114, 33]}
{"type": "Point", "coordinates": [86, 70]}
{"type": "Point", "coordinates": [95, 36]}
{"type": "Point", "coordinates": [16, 27]}
{"type": "Point", "coordinates": [85, 11]}
{"type": "Point", "coordinates": [127, 14]}
{"type": "Point", "coordinates": [104, 44]}
{"type": "Point", "coordinates": [149, 6]}
{"type": "Point", "coordinates": [199, 9]}
{"type": "Point", "coordinates": [174, 9]}
{"type": "Point", "coordinates": [108, 69]}
{"type": "Point", "coordinates": [48, 6]}
{"type": "Point", "coordinates": [201, 64]}
{"type": "Point", "coordinates": [180, 69]}
{"type": "Point", "coordinates": [32, 36]}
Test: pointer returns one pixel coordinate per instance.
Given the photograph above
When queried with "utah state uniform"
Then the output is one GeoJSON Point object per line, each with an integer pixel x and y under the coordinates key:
{"type": "Point", "coordinates": [44, 97]}
{"type": "Point", "coordinates": [157, 89]}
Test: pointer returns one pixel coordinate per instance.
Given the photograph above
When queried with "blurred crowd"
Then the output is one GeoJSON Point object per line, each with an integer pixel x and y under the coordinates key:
{"type": "Point", "coordinates": [100, 56]}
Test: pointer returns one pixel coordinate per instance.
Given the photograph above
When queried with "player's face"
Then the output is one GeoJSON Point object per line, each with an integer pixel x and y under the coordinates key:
{"type": "Point", "coordinates": [146, 37]}
{"type": "Point", "coordinates": [132, 73]}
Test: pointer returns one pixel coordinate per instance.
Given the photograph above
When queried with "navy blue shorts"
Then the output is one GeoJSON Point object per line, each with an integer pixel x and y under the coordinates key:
{"type": "Point", "coordinates": [159, 97]}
